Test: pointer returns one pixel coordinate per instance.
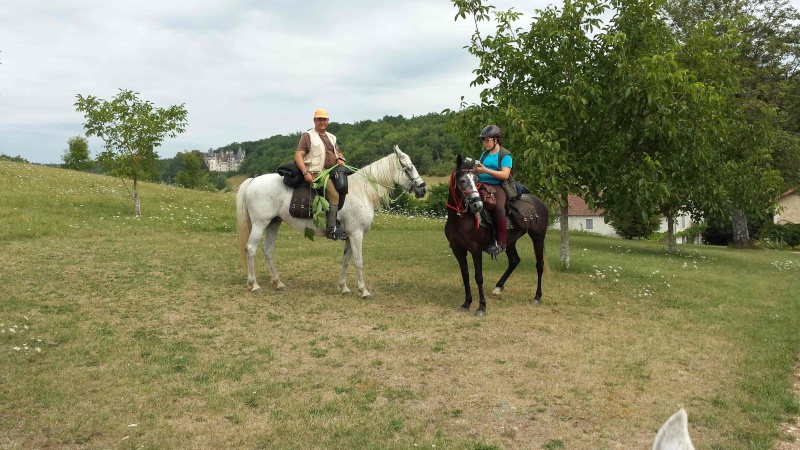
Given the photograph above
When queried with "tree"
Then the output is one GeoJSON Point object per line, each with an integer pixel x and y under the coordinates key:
{"type": "Point", "coordinates": [661, 159]}
{"type": "Point", "coordinates": [191, 175]}
{"type": "Point", "coordinates": [633, 226]}
{"type": "Point", "coordinates": [76, 156]}
{"type": "Point", "coordinates": [768, 54]}
{"type": "Point", "coordinates": [542, 87]}
{"type": "Point", "coordinates": [132, 129]}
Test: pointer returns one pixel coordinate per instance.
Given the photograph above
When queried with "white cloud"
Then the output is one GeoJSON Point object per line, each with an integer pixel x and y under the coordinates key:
{"type": "Point", "coordinates": [245, 69]}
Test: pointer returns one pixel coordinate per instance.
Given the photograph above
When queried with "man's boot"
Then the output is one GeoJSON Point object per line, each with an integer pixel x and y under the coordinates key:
{"type": "Point", "coordinates": [335, 231]}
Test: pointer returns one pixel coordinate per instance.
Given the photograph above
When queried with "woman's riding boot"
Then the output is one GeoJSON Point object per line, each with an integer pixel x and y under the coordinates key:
{"type": "Point", "coordinates": [499, 245]}
{"type": "Point", "coordinates": [502, 231]}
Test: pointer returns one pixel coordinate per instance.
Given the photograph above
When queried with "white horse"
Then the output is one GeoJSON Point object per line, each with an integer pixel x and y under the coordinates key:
{"type": "Point", "coordinates": [263, 202]}
{"type": "Point", "coordinates": [674, 434]}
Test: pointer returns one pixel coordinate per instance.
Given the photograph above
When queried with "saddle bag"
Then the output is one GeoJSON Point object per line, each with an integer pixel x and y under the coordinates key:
{"type": "Point", "coordinates": [522, 212]}
{"type": "Point", "coordinates": [302, 198]}
{"type": "Point", "coordinates": [488, 197]}
{"type": "Point", "coordinates": [339, 178]}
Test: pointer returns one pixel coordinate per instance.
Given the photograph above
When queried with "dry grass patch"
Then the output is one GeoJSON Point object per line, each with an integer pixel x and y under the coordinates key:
{"type": "Point", "coordinates": [131, 334]}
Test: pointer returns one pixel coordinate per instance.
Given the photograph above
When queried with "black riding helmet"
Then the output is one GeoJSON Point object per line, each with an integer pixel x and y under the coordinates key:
{"type": "Point", "coordinates": [491, 131]}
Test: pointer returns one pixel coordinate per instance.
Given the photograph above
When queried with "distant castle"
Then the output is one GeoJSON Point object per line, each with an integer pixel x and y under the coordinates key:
{"type": "Point", "coordinates": [225, 161]}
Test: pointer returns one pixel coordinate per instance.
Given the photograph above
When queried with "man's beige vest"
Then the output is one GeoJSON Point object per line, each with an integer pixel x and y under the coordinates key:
{"type": "Point", "coordinates": [315, 158]}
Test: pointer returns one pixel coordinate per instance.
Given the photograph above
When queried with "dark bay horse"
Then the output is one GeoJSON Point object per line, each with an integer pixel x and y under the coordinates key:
{"type": "Point", "coordinates": [465, 234]}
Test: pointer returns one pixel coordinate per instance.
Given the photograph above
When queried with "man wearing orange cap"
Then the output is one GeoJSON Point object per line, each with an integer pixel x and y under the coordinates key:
{"type": "Point", "coordinates": [316, 152]}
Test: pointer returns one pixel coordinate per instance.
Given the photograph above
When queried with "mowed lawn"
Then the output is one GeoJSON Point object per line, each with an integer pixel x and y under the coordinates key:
{"type": "Point", "coordinates": [118, 332]}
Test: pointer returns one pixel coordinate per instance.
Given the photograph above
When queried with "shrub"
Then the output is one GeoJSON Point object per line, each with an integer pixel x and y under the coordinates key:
{"type": "Point", "coordinates": [780, 236]}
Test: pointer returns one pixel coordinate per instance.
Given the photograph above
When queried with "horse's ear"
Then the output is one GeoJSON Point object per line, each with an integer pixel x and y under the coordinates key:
{"type": "Point", "coordinates": [459, 160]}
{"type": "Point", "coordinates": [674, 434]}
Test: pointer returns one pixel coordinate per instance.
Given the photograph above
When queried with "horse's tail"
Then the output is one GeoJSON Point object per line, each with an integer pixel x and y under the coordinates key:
{"type": "Point", "coordinates": [243, 224]}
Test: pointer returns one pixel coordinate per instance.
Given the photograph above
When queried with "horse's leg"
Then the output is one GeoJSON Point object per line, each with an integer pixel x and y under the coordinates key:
{"type": "Point", "coordinates": [356, 238]}
{"type": "Point", "coordinates": [256, 231]}
{"type": "Point", "coordinates": [348, 253]}
{"type": "Point", "coordinates": [538, 249]}
{"type": "Point", "coordinates": [513, 262]}
{"type": "Point", "coordinates": [269, 251]}
{"type": "Point", "coordinates": [461, 256]}
{"type": "Point", "coordinates": [477, 261]}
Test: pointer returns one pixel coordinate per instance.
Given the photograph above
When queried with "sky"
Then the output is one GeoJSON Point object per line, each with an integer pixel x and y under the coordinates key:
{"type": "Point", "coordinates": [244, 69]}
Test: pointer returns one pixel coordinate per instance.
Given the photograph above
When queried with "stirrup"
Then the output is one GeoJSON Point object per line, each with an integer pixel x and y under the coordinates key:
{"type": "Point", "coordinates": [495, 249]}
{"type": "Point", "coordinates": [336, 234]}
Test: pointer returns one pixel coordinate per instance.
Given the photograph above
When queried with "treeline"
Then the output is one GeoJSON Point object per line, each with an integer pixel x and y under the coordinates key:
{"type": "Point", "coordinates": [424, 138]}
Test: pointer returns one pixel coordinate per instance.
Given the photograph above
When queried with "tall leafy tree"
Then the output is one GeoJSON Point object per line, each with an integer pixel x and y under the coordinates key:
{"type": "Point", "coordinates": [542, 86]}
{"type": "Point", "coordinates": [76, 156]}
{"type": "Point", "coordinates": [132, 129]}
{"type": "Point", "coordinates": [661, 158]}
{"type": "Point", "coordinates": [762, 116]}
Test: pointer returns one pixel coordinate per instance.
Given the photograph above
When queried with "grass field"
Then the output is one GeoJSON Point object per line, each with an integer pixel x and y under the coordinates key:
{"type": "Point", "coordinates": [118, 332]}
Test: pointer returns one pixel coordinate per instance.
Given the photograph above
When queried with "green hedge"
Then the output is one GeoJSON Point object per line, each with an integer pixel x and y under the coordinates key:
{"type": "Point", "coordinates": [780, 236]}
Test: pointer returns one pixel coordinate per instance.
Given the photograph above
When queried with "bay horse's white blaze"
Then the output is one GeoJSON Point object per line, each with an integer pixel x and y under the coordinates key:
{"type": "Point", "coordinates": [674, 434]}
{"type": "Point", "coordinates": [263, 202]}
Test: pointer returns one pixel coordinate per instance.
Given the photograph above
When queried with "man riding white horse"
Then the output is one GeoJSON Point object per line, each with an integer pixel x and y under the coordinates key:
{"type": "Point", "coordinates": [316, 152]}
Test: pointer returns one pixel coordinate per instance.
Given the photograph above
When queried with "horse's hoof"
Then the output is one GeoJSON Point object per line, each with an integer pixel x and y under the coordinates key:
{"type": "Point", "coordinates": [497, 291]}
{"type": "Point", "coordinates": [536, 302]}
{"type": "Point", "coordinates": [480, 313]}
{"type": "Point", "coordinates": [366, 296]}
{"type": "Point", "coordinates": [279, 286]}
{"type": "Point", "coordinates": [463, 309]}
{"type": "Point", "coordinates": [255, 288]}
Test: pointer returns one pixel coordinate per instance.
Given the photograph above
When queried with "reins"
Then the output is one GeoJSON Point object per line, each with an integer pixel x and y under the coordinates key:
{"type": "Point", "coordinates": [323, 178]}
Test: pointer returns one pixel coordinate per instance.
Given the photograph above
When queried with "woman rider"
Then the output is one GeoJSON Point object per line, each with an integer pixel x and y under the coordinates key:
{"type": "Point", "coordinates": [494, 172]}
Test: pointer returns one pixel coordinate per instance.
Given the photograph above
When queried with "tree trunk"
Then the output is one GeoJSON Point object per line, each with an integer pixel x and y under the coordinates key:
{"type": "Point", "coordinates": [671, 244]}
{"type": "Point", "coordinates": [564, 220]}
{"type": "Point", "coordinates": [741, 235]}
{"type": "Point", "coordinates": [137, 211]}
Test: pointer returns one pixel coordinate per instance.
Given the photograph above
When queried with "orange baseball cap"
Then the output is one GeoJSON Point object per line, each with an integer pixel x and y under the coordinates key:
{"type": "Point", "coordinates": [321, 114]}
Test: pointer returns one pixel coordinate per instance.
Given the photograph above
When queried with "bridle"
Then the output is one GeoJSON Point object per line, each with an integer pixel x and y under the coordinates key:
{"type": "Point", "coordinates": [409, 171]}
{"type": "Point", "coordinates": [461, 203]}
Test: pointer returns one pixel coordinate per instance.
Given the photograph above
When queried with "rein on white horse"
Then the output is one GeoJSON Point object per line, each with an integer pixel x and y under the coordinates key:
{"type": "Point", "coordinates": [322, 178]}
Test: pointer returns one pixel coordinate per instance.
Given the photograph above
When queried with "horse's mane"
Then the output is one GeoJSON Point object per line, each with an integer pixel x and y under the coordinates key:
{"type": "Point", "coordinates": [382, 171]}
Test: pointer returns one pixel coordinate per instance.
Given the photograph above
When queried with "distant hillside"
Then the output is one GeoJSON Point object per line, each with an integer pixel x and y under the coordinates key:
{"type": "Point", "coordinates": [424, 139]}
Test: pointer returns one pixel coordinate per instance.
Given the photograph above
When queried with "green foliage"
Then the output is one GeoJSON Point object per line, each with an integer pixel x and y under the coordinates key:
{"type": "Point", "coordinates": [219, 181]}
{"type": "Point", "coordinates": [633, 226]}
{"type": "Point", "coordinates": [19, 159]}
{"type": "Point", "coordinates": [433, 205]}
{"type": "Point", "coordinates": [780, 236]}
{"type": "Point", "coordinates": [423, 138]}
{"type": "Point", "coordinates": [76, 157]}
{"type": "Point", "coordinates": [191, 175]}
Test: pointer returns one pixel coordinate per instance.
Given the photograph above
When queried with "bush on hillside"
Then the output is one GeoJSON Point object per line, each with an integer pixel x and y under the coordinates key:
{"type": "Point", "coordinates": [633, 226]}
{"type": "Point", "coordinates": [780, 236]}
